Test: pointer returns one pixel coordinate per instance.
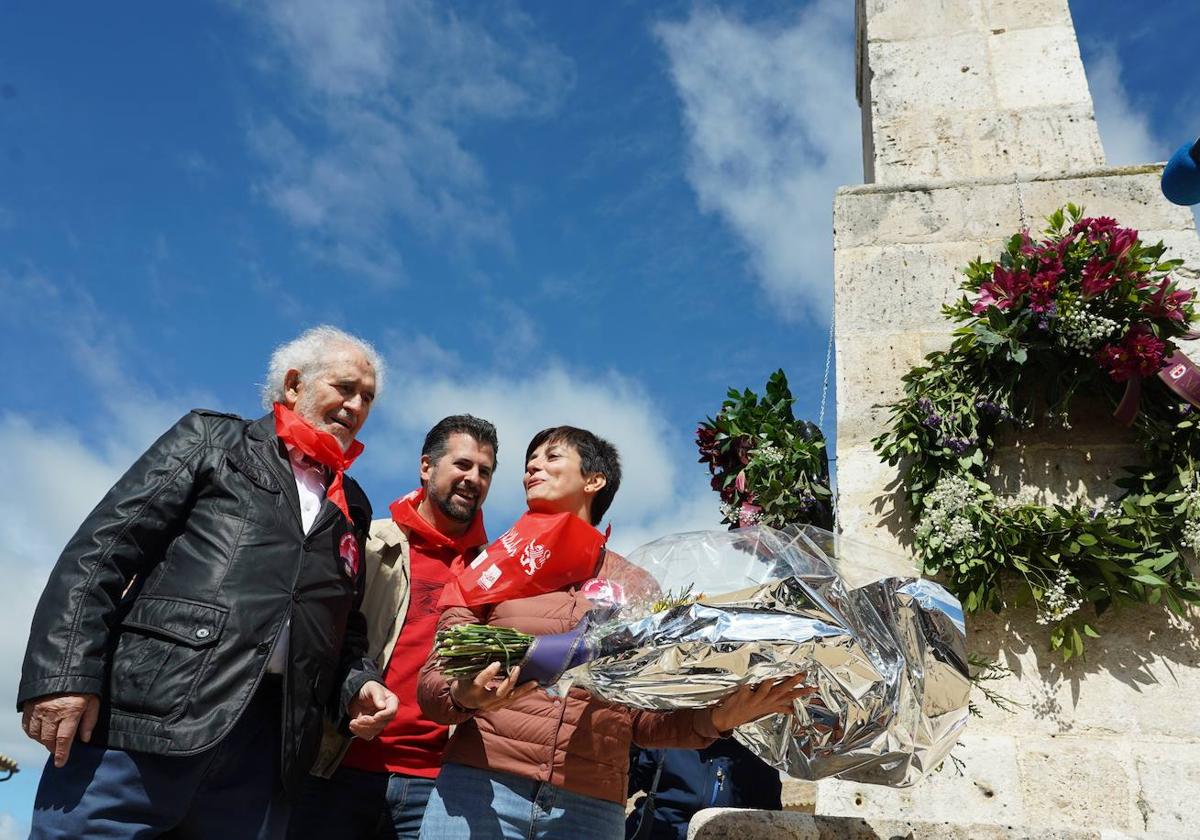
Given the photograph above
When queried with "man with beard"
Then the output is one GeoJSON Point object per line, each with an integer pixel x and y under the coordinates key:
{"type": "Point", "coordinates": [362, 789]}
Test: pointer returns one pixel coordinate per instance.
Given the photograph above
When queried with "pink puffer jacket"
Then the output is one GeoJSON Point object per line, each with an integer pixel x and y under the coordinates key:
{"type": "Point", "coordinates": [576, 742]}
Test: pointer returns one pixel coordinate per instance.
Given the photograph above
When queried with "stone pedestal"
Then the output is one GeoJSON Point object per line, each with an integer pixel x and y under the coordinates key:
{"type": "Point", "coordinates": [977, 123]}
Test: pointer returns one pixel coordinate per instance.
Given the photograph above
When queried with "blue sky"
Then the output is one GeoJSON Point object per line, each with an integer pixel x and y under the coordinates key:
{"type": "Point", "coordinates": [602, 214]}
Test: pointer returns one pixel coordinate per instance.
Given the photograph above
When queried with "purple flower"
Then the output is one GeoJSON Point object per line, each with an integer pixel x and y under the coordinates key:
{"type": "Point", "coordinates": [985, 406]}
{"type": "Point", "coordinates": [932, 421]}
{"type": "Point", "coordinates": [957, 445]}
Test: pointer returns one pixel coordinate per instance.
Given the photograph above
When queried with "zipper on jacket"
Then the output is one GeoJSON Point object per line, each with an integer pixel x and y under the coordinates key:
{"type": "Point", "coordinates": [718, 786]}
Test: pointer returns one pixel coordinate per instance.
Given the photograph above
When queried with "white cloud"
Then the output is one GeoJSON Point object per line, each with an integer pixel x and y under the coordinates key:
{"type": "Point", "coordinates": [773, 130]}
{"type": "Point", "coordinates": [54, 479]}
{"type": "Point", "coordinates": [1125, 130]}
{"type": "Point", "coordinates": [9, 829]}
{"type": "Point", "coordinates": [662, 488]}
{"type": "Point", "coordinates": [385, 89]}
{"type": "Point", "coordinates": [56, 472]}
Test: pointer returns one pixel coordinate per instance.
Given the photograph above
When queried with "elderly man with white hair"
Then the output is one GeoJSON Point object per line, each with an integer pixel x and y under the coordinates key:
{"type": "Point", "coordinates": [204, 618]}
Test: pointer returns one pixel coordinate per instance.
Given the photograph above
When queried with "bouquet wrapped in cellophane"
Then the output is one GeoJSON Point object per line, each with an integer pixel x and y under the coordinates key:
{"type": "Point", "coordinates": [882, 651]}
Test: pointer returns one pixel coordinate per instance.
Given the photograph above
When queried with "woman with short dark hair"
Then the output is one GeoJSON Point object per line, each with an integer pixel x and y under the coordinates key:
{"type": "Point", "coordinates": [525, 764]}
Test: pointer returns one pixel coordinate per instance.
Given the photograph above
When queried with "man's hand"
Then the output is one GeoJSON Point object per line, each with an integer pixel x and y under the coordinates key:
{"type": "Point", "coordinates": [485, 693]}
{"type": "Point", "coordinates": [750, 702]}
{"type": "Point", "coordinates": [371, 710]}
{"type": "Point", "coordinates": [54, 719]}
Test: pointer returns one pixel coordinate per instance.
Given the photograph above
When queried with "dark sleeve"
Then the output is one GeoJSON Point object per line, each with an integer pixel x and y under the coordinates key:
{"type": "Point", "coordinates": [642, 764]}
{"type": "Point", "coordinates": [355, 667]}
{"type": "Point", "coordinates": [125, 535]}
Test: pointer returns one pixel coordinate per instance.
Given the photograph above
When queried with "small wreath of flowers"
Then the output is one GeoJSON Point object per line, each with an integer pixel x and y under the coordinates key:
{"type": "Point", "coordinates": [1089, 308]}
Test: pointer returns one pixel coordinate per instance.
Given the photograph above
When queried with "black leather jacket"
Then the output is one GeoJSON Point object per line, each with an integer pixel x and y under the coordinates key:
{"type": "Point", "coordinates": [170, 596]}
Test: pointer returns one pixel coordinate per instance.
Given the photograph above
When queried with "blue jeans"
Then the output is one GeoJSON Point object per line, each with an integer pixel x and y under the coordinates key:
{"type": "Point", "coordinates": [359, 805]}
{"type": "Point", "coordinates": [231, 791]}
{"type": "Point", "coordinates": [474, 804]}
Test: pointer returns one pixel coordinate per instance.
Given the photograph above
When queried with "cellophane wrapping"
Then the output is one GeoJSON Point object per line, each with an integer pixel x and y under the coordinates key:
{"type": "Point", "coordinates": [882, 650]}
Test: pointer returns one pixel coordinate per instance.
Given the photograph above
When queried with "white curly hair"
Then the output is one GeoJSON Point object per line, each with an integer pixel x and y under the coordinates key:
{"type": "Point", "coordinates": [307, 353]}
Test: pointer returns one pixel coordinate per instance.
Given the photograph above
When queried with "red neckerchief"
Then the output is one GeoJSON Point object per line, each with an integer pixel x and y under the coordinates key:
{"type": "Point", "coordinates": [541, 552]}
{"type": "Point", "coordinates": [322, 447]}
{"type": "Point", "coordinates": [405, 514]}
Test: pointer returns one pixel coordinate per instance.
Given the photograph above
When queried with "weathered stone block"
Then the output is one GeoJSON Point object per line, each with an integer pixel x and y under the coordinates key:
{"type": "Point", "coordinates": [1063, 475]}
{"type": "Point", "coordinates": [930, 74]}
{"type": "Point", "coordinates": [914, 280]}
{"type": "Point", "coordinates": [1132, 196]}
{"type": "Point", "coordinates": [1138, 684]}
{"type": "Point", "coordinates": [891, 21]}
{"type": "Point", "coordinates": [865, 471]}
{"type": "Point", "coordinates": [1026, 14]}
{"type": "Point", "coordinates": [1058, 139]}
{"type": "Point", "coordinates": [1072, 782]}
{"type": "Point", "coordinates": [1168, 776]}
{"type": "Point", "coordinates": [870, 376]}
{"type": "Point", "coordinates": [1038, 68]}
{"type": "Point", "coordinates": [989, 790]}
{"type": "Point", "coordinates": [860, 516]}
{"type": "Point", "coordinates": [924, 214]}
{"type": "Point", "coordinates": [921, 144]}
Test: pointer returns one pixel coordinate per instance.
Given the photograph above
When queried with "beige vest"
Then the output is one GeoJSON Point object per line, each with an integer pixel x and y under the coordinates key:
{"type": "Point", "coordinates": [385, 603]}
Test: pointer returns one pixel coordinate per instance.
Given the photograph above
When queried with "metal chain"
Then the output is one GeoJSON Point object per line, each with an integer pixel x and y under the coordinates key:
{"type": "Point", "coordinates": [1020, 200]}
{"type": "Point", "coordinates": [821, 418]}
{"type": "Point", "coordinates": [825, 386]}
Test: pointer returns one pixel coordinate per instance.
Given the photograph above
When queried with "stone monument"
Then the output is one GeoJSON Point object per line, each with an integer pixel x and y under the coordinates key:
{"type": "Point", "coordinates": [977, 121]}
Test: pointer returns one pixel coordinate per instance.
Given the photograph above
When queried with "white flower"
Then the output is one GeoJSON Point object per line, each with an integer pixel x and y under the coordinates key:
{"type": "Point", "coordinates": [1056, 604]}
{"type": "Point", "coordinates": [1024, 497]}
{"type": "Point", "coordinates": [767, 454]}
{"type": "Point", "coordinates": [942, 522]}
{"type": "Point", "coordinates": [1083, 330]}
{"type": "Point", "coordinates": [1191, 535]}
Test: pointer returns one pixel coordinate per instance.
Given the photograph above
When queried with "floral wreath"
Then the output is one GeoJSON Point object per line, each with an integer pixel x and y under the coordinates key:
{"type": "Point", "coordinates": [767, 466]}
{"type": "Point", "coordinates": [1089, 308]}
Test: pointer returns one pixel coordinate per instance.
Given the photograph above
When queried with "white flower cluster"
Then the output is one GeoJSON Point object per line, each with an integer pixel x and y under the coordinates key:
{"type": "Point", "coordinates": [1084, 330]}
{"type": "Point", "coordinates": [1191, 535]}
{"type": "Point", "coordinates": [1024, 497]}
{"type": "Point", "coordinates": [767, 454]}
{"type": "Point", "coordinates": [1056, 604]}
{"type": "Point", "coordinates": [733, 513]}
{"type": "Point", "coordinates": [1191, 524]}
{"type": "Point", "coordinates": [943, 518]}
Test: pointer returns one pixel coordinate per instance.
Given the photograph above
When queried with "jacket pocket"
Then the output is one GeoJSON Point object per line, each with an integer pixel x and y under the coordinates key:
{"type": "Point", "coordinates": [256, 474]}
{"type": "Point", "coordinates": [163, 649]}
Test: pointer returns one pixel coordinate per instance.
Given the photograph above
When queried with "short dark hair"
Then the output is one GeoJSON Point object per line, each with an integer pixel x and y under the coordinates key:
{"type": "Point", "coordinates": [596, 455]}
{"type": "Point", "coordinates": [436, 442]}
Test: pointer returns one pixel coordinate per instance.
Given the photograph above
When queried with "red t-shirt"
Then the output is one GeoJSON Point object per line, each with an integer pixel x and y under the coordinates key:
{"type": "Point", "coordinates": [412, 744]}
